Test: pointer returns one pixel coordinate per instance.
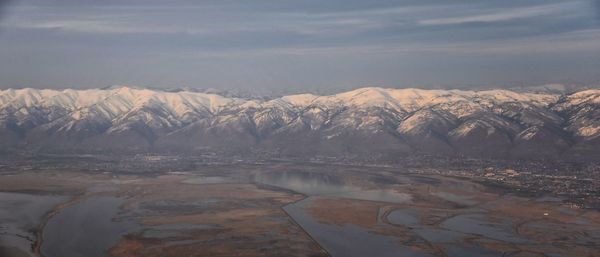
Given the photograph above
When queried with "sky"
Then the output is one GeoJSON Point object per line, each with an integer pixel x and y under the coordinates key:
{"type": "Point", "coordinates": [298, 45]}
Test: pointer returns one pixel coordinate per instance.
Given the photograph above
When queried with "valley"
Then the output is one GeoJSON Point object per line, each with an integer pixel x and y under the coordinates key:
{"type": "Point", "coordinates": [283, 209]}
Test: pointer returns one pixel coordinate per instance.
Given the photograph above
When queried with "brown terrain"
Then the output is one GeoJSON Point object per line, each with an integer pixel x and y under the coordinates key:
{"type": "Point", "coordinates": [214, 213]}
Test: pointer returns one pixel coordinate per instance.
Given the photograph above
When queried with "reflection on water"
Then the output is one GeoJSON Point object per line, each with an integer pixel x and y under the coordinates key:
{"type": "Point", "coordinates": [480, 224]}
{"type": "Point", "coordinates": [19, 217]}
{"type": "Point", "coordinates": [348, 240]}
{"type": "Point", "coordinates": [450, 237]}
{"type": "Point", "coordinates": [436, 235]}
{"type": "Point", "coordinates": [469, 250]}
{"type": "Point", "coordinates": [408, 217]}
{"type": "Point", "coordinates": [86, 229]}
{"type": "Point", "coordinates": [320, 184]}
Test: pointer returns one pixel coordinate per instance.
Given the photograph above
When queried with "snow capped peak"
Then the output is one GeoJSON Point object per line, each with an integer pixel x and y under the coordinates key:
{"type": "Point", "coordinates": [126, 87]}
{"type": "Point", "coordinates": [489, 118]}
{"type": "Point", "coordinates": [123, 98]}
{"type": "Point", "coordinates": [409, 98]}
{"type": "Point", "coordinates": [369, 96]}
{"type": "Point", "coordinates": [591, 96]}
{"type": "Point", "coordinates": [300, 99]}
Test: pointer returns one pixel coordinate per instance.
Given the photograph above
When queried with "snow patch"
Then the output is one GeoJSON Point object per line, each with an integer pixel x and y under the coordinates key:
{"type": "Point", "coordinates": [588, 131]}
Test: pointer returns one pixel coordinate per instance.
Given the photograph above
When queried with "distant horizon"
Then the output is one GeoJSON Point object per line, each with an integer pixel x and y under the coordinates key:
{"type": "Point", "coordinates": [552, 87]}
{"type": "Point", "coordinates": [332, 88]}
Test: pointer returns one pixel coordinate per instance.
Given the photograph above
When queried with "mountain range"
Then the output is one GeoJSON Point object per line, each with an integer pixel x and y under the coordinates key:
{"type": "Point", "coordinates": [367, 122]}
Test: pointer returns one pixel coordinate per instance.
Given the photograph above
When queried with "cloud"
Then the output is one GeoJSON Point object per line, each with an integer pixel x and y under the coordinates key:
{"type": "Point", "coordinates": [574, 41]}
{"type": "Point", "coordinates": [107, 27]}
{"type": "Point", "coordinates": [504, 15]}
{"type": "Point", "coordinates": [370, 35]}
{"type": "Point", "coordinates": [214, 19]}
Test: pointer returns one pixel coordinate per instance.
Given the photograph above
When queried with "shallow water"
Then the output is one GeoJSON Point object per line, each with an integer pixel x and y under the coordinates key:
{"type": "Point", "coordinates": [479, 224]}
{"type": "Point", "coordinates": [348, 240]}
{"type": "Point", "coordinates": [411, 218]}
{"type": "Point", "coordinates": [441, 236]}
{"type": "Point", "coordinates": [464, 250]}
{"type": "Point", "coordinates": [451, 235]}
{"type": "Point", "coordinates": [86, 229]}
{"type": "Point", "coordinates": [19, 217]}
{"type": "Point", "coordinates": [319, 184]}
{"type": "Point", "coordinates": [407, 217]}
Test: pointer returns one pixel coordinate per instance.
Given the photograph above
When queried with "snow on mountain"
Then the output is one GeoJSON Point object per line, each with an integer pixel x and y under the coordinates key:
{"type": "Point", "coordinates": [583, 112]}
{"type": "Point", "coordinates": [487, 123]}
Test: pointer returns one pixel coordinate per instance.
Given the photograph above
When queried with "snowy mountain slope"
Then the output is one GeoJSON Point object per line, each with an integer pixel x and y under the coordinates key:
{"type": "Point", "coordinates": [492, 123]}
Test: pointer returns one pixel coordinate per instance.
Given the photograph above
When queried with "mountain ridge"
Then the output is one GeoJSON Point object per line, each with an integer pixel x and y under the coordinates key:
{"type": "Point", "coordinates": [366, 121]}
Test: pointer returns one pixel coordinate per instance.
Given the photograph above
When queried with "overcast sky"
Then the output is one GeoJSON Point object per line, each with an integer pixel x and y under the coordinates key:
{"type": "Point", "coordinates": [298, 44]}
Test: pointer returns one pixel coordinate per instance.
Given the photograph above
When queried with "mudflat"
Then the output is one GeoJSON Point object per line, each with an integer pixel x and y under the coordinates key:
{"type": "Point", "coordinates": [283, 210]}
